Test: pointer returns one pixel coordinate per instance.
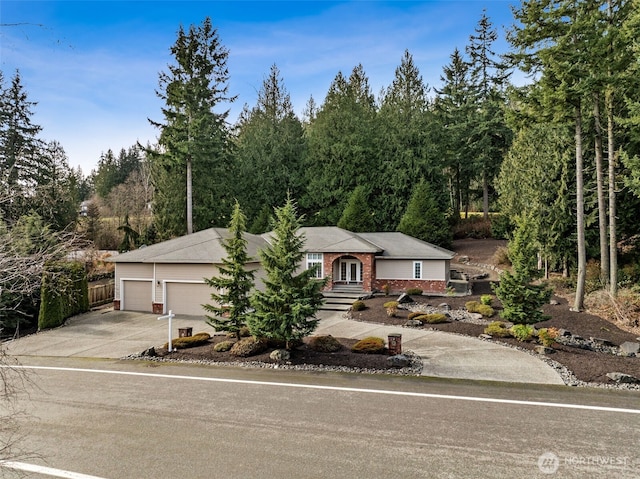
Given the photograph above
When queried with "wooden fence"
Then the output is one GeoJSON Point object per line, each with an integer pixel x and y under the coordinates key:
{"type": "Point", "coordinates": [101, 294]}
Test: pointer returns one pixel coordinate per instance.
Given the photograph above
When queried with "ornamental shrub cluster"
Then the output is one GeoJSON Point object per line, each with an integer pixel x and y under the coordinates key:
{"type": "Point", "coordinates": [414, 291]}
{"type": "Point", "coordinates": [369, 345]}
{"type": "Point", "coordinates": [358, 306]}
{"type": "Point", "coordinates": [324, 344]}
{"type": "Point", "coordinates": [189, 341]}
{"type": "Point", "coordinates": [432, 318]}
{"type": "Point", "coordinates": [483, 309]}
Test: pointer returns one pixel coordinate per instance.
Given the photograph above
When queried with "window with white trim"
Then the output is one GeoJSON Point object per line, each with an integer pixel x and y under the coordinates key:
{"type": "Point", "coordinates": [417, 270]}
{"type": "Point", "coordinates": [314, 261]}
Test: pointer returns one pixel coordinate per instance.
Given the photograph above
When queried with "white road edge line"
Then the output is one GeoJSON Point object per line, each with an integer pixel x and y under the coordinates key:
{"type": "Point", "coordinates": [338, 388]}
{"type": "Point", "coordinates": [48, 471]}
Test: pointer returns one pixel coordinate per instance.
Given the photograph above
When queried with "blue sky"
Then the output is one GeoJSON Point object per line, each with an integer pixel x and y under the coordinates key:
{"type": "Point", "coordinates": [92, 66]}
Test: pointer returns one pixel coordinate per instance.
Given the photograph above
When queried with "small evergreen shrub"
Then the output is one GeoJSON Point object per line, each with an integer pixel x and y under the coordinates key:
{"type": "Point", "coordinates": [249, 347]}
{"type": "Point", "coordinates": [497, 329]}
{"type": "Point", "coordinates": [358, 306]}
{"type": "Point", "coordinates": [223, 346]}
{"type": "Point", "coordinates": [433, 318]}
{"type": "Point", "coordinates": [189, 341]}
{"type": "Point", "coordinates": [522, 332]}
{"type": "Point", "coordinates": [415, 314]}
{"type": "Point", "coordinates": [324, 344]}
{"type": "Point", "coordinates": [472, 306]}
{"type": "Point", "coordinates": [485, 310]}
{"type": "Point", "coordinates": [486, 299]}
{"type": "Point", "coordinates": [369, 345]}
{"type": "Point", "coordinates": [414, 292]}
{"type": "Point", "coordinates": [547, 336]}
{"type": "Point", "coordinates": [390, 304]}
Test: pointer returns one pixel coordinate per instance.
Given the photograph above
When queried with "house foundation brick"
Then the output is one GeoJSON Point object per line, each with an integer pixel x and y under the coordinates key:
{"type": "Point", "coordinates": [400, 285]}
{"type": "Point", "coordinates": [116, 305]}
{"type": "Point", "coordinates": [157, 308]}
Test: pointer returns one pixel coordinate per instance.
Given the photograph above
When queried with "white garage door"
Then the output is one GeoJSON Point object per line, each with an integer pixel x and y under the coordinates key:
{"type": "Point", "coordinates": [187, 298]}
{"type": "Point", "coordinates": [136, 296]}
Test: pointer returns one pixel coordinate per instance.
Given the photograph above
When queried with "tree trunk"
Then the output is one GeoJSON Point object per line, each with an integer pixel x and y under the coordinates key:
{"type": "Point", "coordinates": [189, 198]}
{"type": "Point", "coordinates": [582, 251]}
{"type": "Point", "coordinates": [485, 196]}
{"type": "Point", "coordinates": [602, 212]}
{"type": "Point", "coordinates": [613, 241]}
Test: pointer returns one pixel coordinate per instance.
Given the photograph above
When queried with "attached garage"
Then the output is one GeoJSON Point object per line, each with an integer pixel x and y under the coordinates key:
{"type": "Point", "coordinates": [186, 297]}
{"type": "Point", "coordinates": [136, 295]}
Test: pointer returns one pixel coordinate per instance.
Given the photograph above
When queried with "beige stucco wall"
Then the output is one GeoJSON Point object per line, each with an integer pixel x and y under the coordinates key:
{"type": "Point", "coordinates": [131, 271]}
{"type": "Point", "coordinates": [403, 269]}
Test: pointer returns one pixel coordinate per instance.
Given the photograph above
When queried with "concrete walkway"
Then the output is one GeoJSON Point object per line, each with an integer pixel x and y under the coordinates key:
{"type": "Point", "coordinates": [114, 334]}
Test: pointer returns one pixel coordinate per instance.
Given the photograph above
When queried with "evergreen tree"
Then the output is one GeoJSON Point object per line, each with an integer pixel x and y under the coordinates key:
{"type": "Point", "coordinates": [520, 298]}
{"type": "Point", "coordinates": [194, 140]}
{"type": "Point", "coordinates": [233, 284]}
{"type": "Point", "coordinates": [341, 151]}
{"type": "Point", "coordinates": [286, 309]}
{"type": "Point", "coordinates": [406, 144]}
{"type": "Point", "coordinates": [19, 149]}
{"type": "Point", "coordinates": [424, 218]}
{"type": "Point", "coordinates": [269, 150]}
{"type": "Point", "coordinates": [357, 216]}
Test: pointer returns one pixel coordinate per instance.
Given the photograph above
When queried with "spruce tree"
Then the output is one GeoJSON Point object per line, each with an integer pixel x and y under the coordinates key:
{"type": "Point", "coordinates": [234, 282]}
{"type": "Point", "coordinates": [424, 218]}
{"type": "Point", "coordinates": [357, 216]}
{"type": "Point", "coordinates": [285, 310]}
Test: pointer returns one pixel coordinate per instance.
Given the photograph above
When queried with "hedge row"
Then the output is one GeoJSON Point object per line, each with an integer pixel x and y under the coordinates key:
{"type": "Point", "coordinates": [64, 293]}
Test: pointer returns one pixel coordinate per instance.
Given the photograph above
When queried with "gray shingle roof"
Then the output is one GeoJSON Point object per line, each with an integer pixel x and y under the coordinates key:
{"type": "Point", "coordinates": [206, 246]}
{"type": "Point", "coordinates": [202, 247]}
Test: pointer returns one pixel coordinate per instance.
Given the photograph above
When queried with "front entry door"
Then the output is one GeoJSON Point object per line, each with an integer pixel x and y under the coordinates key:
{"type": "Point", "coordinates": [351, 271]}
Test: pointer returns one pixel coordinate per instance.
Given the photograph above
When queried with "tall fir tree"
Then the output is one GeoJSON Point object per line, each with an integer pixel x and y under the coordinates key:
{"type": "Point", "coordinates": [425, 218]}
{"type": "Point", "coordinates": [233, 285]}
{"type": "Point", "coordinates": [285, 310]}
{"type": "Point", "coordinates": [193, 147]}
{"type": "Point", "coordinates": [357, 215]}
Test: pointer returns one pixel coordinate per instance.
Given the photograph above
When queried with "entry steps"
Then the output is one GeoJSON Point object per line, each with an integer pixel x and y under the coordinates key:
{"type": "Point", "coordinates": [342, 298]}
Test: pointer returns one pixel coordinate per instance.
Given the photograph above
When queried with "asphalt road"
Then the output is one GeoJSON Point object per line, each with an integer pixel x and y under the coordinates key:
{"type": "Point", "coordinates": [122, 420]}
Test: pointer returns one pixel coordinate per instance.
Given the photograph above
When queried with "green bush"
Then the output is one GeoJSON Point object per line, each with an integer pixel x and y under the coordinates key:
{"type": "Point", "coordinates": [433, 318]}
{"type": "Point", "coordinates": [486, 299]}
{"type": "Point", "coordinates": [390, 304]}
{"type": "Point", "coordinates": [223, 346]}
{"type": "Point", "coordinates": [64, 293]}
{"type": "Point", "coordinates": [249, 347]}
{"type": "Point", "coordinates": [189, 341]}
{"type": "Point", "coordinates": [415, 314]}
{"type": "Point", "coordinates": [522, 332]}
{"type": "Point", "coordinates": [497, 329]}
{"type": "Point", "coordinates": [414, 291]}
{"type": "Point", "coordinates": [472, 306]}
{"type": "Point", "coordinates": [501, 227]}
{"type": "Point", "coordinates": [324, 344]}
{"type": "Point", "coordinates": [369, 345]}
{"type": "Point", "coordinates": [358, 306]}
{"type": "Point", "coordinates": [485, 311]}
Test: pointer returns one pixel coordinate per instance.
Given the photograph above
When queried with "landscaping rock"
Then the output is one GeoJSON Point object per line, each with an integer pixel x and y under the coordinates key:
{"type": "Point", "coordinates": [413, 323]}
{"type": "Point", "coordinates": [280, 355]}
{"type": "Point", "coordinates": [150, 353]}
{"type": "Point", "coordinates": [629, 349]}
{"type": "Point", "coordinates": [399, 361]}
{"type": "Point", "coordinates": [554, 302]}
{"type": "Point", "coordinates": [404, 298]}
{"type": "Point", "coordinates": [601, 342]}
{"type": "Point", "coordinates": [623, 378]}
{"type": "Point", "coordinates": [444, 307]}
{"type": "Point", "coordinates": [544, 350]}
{"type": "Point", "coordinates": [485, 336]}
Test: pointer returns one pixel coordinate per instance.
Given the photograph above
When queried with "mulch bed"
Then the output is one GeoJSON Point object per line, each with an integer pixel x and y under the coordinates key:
{"type": "Point", "coordinates": [588, 366]}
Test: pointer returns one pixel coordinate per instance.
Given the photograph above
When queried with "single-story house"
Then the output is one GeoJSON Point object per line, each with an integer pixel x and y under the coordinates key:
{"type": "Point", "coordinates": [170, 275]}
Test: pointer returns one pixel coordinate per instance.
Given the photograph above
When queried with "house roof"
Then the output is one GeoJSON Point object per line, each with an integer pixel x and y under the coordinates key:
{"type": "Point", "coordinates": [201, 247]}
{"type": "Point", "coordinates": [206, 246]}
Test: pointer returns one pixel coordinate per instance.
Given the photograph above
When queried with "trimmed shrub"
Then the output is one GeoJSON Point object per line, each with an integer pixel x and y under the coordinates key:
{"type": "Point", "coordinates": [369, 345]}
{"type": "Point", "coordinates": [390, 304]}
{"type": "Point", "coordinates": [358, 306]}
{"type": "Point", "coordinates": [472, 306]}
{"type": "Point", "coordinates": [391, 312]}
{"type": "Point", "coordinates": [497, 329]}
{"type": "Point", "coordinates": [433, 318]}
{"type": "Point", "coordinates": [485, 310]}
{"type": "Point", "coordinates": [249, 347]}
{"type": "Point", "coordinates": [64, 293]}
{"type": "Point", "coordinates": [324, 344]}
{"type": "Point", "coordinates": [414, 292]}
{"type": "Point", "coordinates": [486, 299]}
{"type": "Point", "coordinates": [547, 336]}
{"type": "Point", "coordinates": [415, 314]}
{"type": "Point", "coordinates": [189, 341]}
{"type": "Point", "coordinates": [223, 346]}
{"type": "Point", "coordinates": [522, 332]}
